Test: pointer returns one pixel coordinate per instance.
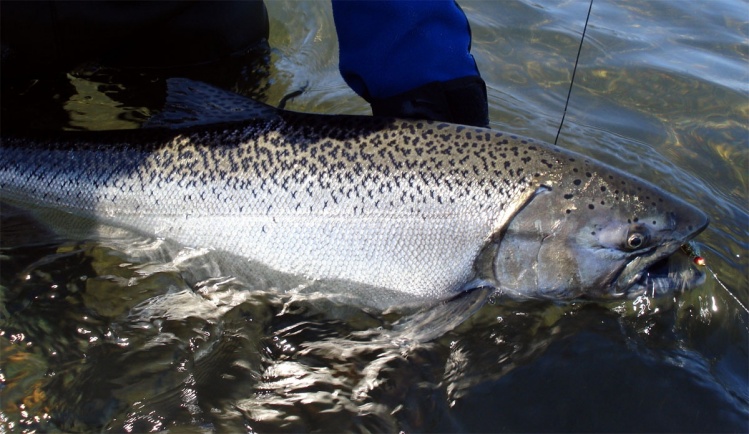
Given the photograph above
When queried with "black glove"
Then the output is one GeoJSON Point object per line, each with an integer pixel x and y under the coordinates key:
{"type": "Point", "coordinates": [460, 101]}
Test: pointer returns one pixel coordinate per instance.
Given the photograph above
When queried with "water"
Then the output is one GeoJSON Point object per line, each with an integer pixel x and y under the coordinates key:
{"type": "Point", "coordinates": [127, 333]}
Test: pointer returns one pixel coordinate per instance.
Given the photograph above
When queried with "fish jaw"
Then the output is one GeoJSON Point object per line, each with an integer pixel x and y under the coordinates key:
{"type": "Point", "coordinates": [674, 272]}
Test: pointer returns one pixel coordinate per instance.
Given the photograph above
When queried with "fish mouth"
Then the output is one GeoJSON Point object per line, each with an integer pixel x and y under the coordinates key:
{"type": "Point", "coordinates": [661, 274]}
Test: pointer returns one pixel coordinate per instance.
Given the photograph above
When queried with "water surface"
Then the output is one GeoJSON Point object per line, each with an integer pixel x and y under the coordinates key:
{"type": "Point", "coordinates": [128, 333]}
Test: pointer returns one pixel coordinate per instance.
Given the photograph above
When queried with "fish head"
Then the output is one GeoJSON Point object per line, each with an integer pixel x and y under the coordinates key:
{"type": "Point", "coordinates": [597, 233]}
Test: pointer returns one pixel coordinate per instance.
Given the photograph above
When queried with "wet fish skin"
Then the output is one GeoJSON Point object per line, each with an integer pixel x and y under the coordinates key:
{"type": "Point", "coordinates": [316, 198]}
{"type": "Point", "coordinates": [416, 207]}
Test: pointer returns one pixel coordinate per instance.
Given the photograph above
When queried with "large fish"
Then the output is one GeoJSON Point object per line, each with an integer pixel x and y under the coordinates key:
{"type": "Point", "coordinates": [418, 208]}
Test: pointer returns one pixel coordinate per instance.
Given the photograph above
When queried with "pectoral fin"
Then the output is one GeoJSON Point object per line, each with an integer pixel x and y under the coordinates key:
{"type": "Point", "coordinates": [436, 320]}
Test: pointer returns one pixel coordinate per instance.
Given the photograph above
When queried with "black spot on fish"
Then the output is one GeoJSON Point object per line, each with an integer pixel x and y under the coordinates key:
{"type": "Point", "coordinates": [569, 196]}
{"type": "Point", "coordinates": [577, 182]}
{"type": "Point", "coordinates": [568, 211]}
{"type": "Point", "coordinates": [603, 188]}
{"type": "Point", "coordinates": [591, 206]}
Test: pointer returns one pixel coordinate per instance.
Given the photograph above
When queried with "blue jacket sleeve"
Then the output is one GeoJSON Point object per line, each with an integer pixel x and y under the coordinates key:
{"type": "Point", "coordinates": [389, 47]}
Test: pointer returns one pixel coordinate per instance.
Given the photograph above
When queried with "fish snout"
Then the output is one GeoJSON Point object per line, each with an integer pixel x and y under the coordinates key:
{"type": "Point", "coordinates": [691, 222]}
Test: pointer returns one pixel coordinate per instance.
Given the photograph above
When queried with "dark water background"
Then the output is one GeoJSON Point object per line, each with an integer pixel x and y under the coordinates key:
{"type": "Point", "coordinates": [127, 333]}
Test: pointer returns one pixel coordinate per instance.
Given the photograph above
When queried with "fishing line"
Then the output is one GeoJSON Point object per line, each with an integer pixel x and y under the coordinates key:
{"type": "Point", "coordinates": [574, 70]}
{"type": "Point", "coordinates": [736, 299]}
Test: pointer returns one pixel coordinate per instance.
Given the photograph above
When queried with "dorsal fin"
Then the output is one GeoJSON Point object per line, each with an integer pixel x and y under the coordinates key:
{"type": "Point", "coordinates": [190, 103]}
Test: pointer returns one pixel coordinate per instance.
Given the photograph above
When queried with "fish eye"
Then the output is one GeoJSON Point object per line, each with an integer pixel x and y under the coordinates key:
{"type": "Point", "coordinates": [637, 238]}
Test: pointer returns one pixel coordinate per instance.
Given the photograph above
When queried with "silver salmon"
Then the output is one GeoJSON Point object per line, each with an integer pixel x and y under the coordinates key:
{"type": "Point", "coordinates": [422, 208]}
